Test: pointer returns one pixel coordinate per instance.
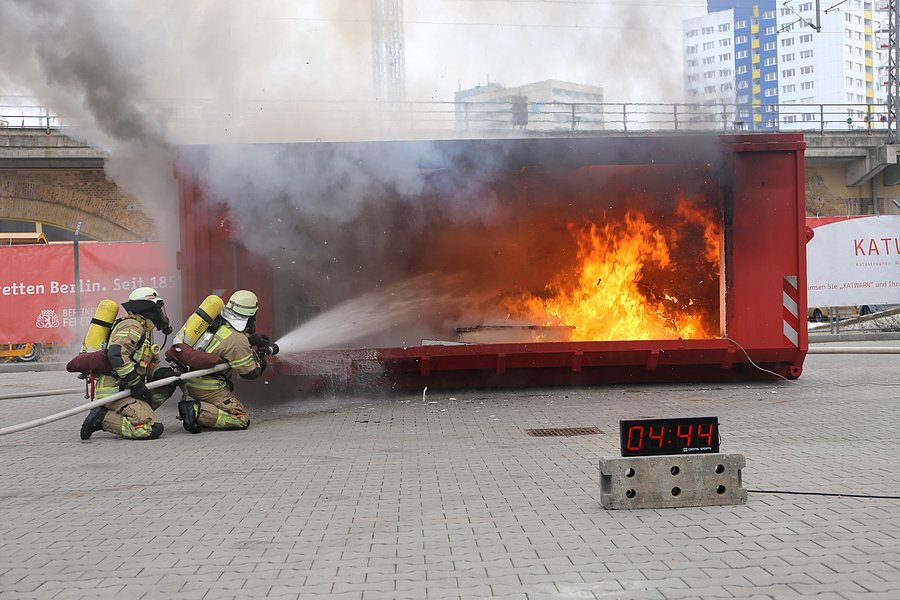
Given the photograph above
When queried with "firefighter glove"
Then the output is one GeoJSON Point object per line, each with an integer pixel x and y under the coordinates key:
{"type": "Point", "coordinates": [163, 373]}
{"type": "Point", "coordinates": [139, 390]}
{"type": "Point", "coordinates": [259, 340]}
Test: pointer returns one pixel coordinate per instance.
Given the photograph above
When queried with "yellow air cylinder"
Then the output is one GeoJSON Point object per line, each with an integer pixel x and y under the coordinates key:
{"type": "Point", "coordinates": [197, 324]}
{"type": "Point", "coordinates": [97, 335]}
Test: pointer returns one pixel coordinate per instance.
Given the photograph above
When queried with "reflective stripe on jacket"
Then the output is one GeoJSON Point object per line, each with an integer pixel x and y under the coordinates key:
{"type": "Point", "coordinates": [232, 346]}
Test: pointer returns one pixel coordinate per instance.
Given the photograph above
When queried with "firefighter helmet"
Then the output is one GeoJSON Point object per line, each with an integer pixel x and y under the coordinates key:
{"type": "Point", "coordinates": [240, 308]}
{"type": "Point", "coordinates": [146, 302]}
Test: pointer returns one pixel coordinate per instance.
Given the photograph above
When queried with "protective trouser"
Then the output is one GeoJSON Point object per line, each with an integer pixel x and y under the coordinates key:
{"type": "Point", "coordinates": [218, 407]}
{"type": "Point", "coordinates": [130, 418]}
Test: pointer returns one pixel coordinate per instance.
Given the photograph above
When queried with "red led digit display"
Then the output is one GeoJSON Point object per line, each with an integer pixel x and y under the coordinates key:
{"type": "Point", "coordinates": [648, 437]}
{"type": "Point", "coordinates": [659, 436]}
{"type": "Point", "coordinates": [635, 438]}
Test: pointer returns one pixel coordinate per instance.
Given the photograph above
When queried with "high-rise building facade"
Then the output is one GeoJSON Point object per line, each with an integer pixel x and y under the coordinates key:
{"type": "Point", "coordinates": [794, 66]}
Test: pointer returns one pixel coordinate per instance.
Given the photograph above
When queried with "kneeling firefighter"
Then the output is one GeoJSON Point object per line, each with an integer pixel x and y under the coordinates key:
{"type": "Point", "coordinates": [213, 404]}
{"type": "Point", "coordinates": [134, 359]}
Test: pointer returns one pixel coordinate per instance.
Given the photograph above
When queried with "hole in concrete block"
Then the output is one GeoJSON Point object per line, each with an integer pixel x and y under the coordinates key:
{"type": "Point", "coordinates": [720, 468]}
{"type": "Point", "coordinates": [675, 470]}
{"type": "Point", "coordinates": [629, 493]}
{"type": "Point", "coordinates": [629, 472]}
{"type": "Point", "coordinates": [720, 489]}
{"type": "Point", "coordinates": [676, 491]}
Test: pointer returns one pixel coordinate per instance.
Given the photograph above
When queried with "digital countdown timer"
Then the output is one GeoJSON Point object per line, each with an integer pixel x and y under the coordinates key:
{"type": "Point", "coordinates": [650, 437]}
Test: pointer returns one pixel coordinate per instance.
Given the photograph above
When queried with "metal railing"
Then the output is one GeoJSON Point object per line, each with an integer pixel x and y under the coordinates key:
{"type": "Point", "coordinates": [195, 118]}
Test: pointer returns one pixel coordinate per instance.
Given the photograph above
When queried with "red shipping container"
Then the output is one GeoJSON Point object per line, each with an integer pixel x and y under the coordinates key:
{"type": "Point", "coordinates": [697, 239]}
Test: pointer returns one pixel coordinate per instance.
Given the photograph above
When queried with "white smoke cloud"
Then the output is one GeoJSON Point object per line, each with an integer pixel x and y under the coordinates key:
{"type": "Point", "coordinates": [141, 79]}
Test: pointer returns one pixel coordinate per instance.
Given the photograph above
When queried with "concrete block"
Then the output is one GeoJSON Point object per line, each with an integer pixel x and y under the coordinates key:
{"type": "Point", "coordinates": [671, 481]}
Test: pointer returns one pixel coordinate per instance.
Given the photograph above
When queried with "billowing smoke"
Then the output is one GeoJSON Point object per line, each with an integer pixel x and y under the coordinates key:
{"type": "Point", "coordinates": [142, 79]}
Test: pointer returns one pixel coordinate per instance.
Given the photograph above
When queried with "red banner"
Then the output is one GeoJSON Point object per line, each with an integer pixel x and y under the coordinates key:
{"type": "Point", "coordinates": [38, 290]}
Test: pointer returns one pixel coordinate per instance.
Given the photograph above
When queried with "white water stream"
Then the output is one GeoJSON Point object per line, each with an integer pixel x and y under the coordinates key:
{"type": "Point", "coordinates": [421, 304]}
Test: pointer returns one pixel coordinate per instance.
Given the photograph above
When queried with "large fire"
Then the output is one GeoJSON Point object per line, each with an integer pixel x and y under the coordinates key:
{"type": "Point", "coordinates": [635, 278]}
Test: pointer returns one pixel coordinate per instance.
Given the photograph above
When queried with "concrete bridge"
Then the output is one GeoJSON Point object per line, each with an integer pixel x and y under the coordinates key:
{"type": "Point", "coordinates": [49, 177]}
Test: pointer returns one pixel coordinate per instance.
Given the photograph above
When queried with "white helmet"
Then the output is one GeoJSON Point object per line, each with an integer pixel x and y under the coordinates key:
{"type": "Point", "coordinates": [145, 301]}
{"type": "Point", "coordinates": [240, 308]}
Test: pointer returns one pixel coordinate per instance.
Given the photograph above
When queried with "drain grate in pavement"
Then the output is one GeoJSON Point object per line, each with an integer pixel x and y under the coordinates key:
{"type": "Point", "coordinates": [563, 431]}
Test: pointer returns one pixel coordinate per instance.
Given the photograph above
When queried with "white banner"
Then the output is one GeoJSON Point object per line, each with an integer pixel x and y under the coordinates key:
{"type": "Point", "coordinates": [853, 260]}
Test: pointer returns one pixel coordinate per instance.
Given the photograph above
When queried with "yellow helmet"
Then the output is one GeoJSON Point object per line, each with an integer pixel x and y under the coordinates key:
{"type": "Point", "coordinates": [240, 308]}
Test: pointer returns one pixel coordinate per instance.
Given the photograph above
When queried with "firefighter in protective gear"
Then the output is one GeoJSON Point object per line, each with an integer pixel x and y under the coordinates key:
{"type": "Point", "coordinates": [213, 404]}
{"type": "Point", "coordinates": [134, 359]}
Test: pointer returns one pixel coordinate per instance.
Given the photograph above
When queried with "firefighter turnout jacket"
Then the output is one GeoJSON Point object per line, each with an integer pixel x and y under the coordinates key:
{"type": "Point", "coordinates": [132, 354]}
{"type": "Point", "coordinates": [218, 408]}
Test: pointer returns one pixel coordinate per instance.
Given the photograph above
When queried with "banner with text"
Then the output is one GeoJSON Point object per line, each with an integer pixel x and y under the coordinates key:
{"type": "Point", "coordinates": [37, 287]}
{"type": "Point", "coordinates": [853, 260]}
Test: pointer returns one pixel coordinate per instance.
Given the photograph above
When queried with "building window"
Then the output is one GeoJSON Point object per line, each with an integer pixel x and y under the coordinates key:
{"type": "Point", "coordinates": [692, 62]}
{"type": "Point", "coordinates": [740, 70]}
{"type": "Point", "coordinates": [724, 72]}
{"type": "Point", "coordinates": [770, 30]}
{"type": "Point", "coordinates": [787, 73]}
{"type": "Point", "coordinates": [787, 57]}
{"type": "Point", "coordinates": [769, 14]}
{"type": "Point", "coordinates": [769, 46]}
{"type": "Point", "coordinates": [743, 85]}
{"type": "Point", "coordinates": [707, 30]}
{"type": "Point", "coordinates": [725, 43]}
{"type": "Point", "coordinates": [708, 60]}
{"type": "Point", "coordinates": [725, 57]}
{"type": "Point", "coordinates": [770, 61]}
{"type": "Point", "coordinates": [740, 54]}
{"type": "Point", "coordinates": [806, 38]}
{"type": "Point", "coordinates": [806, 6]}
{"type": "Point", "coordinates": [692, 49]}
{"type": "Point", "coordinates": [725, 27]}
{"type": "Point", "coordinates": [806, 54]}
{"type": "Point", "coordinates": [709, 45]}
{"type": "Point", "coordinates": [806, 70]}
{"type": "Point", "coordinates": [741, 39]}
{"type": "Point", "coordinates": [787, 42]}
{"type": "Point", "coordinates": [725, 87]}
{"type": "Point", "coordinates": [807, 85]}
{"type": "Point", "coordinates": [742, 24]}
{"type": "Point", "coordinates": [788, 89]}
{"type": "Point", "coordinates": [709, 74]}
{"type": "Point", "coordinates": [770, 92]}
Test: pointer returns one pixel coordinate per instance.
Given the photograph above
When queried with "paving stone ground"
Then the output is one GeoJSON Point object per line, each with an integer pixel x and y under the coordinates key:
{"type": "Point", "coordinates": [441, 497]}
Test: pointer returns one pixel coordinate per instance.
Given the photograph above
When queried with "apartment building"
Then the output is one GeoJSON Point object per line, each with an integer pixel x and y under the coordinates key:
{"type": "Point", "coordinates": [794, 67]}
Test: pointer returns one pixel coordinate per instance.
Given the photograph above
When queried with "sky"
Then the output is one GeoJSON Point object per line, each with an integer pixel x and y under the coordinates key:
{"type": "Point", "coordinates": [194, 67]}
{"type": "Point", "coordinates": [140, 79]}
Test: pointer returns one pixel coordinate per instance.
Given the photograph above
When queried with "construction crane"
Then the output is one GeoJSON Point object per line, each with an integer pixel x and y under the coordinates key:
{"type": "Point", "coordinates": [388, 58]}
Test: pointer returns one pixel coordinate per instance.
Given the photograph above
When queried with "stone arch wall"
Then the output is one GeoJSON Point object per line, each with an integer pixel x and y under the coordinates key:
{"type": "Point", "coordinates": [64, 197]}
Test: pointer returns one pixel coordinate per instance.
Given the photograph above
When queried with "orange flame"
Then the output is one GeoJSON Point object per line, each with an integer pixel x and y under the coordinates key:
{"type": "Point", "coordinates": [636, 280]}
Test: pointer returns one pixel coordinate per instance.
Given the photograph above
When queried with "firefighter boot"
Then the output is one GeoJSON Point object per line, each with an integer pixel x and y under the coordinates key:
{"type": "Point", "coordinates": [93, 422]}
{"type": "Point", "coordinates": [189, 411]}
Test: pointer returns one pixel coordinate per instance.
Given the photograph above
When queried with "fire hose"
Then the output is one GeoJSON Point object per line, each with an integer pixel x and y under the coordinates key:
{"type": "Point", "coordinates": [104, 401]}
{"type": "Point", "coordinates": [41, 393]}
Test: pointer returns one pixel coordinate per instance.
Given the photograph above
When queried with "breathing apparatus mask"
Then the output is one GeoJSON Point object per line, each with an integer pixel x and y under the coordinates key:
{"type": "Point", "coordinates": [240, 311]}
{"type": "Point", "coordinates": [147, 303]}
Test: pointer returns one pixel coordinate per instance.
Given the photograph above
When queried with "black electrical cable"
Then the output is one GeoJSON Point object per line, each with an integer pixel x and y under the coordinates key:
{"type": "Point", "coordinates": [824, 494]}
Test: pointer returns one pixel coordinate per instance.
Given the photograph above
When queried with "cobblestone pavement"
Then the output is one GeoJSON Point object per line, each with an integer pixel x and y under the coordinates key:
{"type": "Point", "coordinates": [447, 497]}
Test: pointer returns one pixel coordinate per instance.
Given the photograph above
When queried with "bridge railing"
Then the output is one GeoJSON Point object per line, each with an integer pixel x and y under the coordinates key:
{"type": "Point", "coordinates": [482, 118]}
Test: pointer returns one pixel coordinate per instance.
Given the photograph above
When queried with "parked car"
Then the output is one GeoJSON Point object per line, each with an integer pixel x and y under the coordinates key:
{"type": "Point", "coordinates": [819, 314]}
